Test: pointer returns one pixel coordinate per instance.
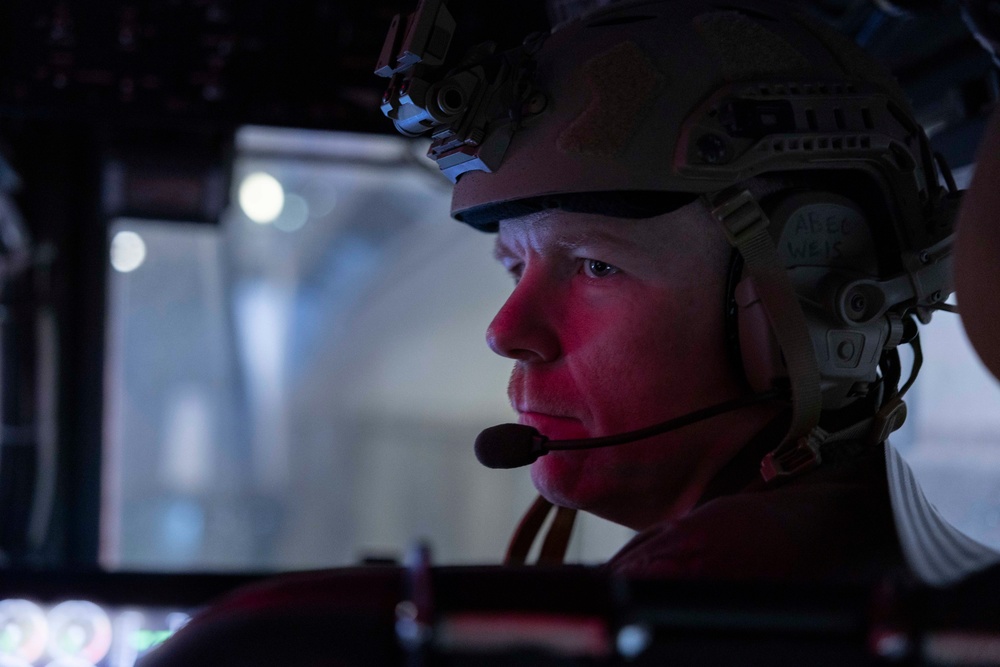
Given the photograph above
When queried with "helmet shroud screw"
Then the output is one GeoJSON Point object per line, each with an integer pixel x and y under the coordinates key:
{"type": "Point", "coordinates": [713, 149]}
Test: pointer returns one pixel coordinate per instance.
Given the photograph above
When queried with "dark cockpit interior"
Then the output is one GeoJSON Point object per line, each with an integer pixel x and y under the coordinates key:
{"type": "Point", "coordinates": [240, 338]}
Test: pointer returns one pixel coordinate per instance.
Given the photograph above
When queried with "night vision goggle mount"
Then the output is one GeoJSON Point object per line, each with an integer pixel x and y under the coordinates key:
{"type": "Point", "coordinates": [470, 110]}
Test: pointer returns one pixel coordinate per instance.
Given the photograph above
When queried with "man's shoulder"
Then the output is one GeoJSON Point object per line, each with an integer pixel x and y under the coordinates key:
{"type": "Point", "coordinates": [834, 521]}
{"type": "Point", "coordinates": [295, 619]}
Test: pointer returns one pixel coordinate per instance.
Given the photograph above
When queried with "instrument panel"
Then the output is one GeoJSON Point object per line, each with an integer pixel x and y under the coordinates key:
{"type": "Point", "coordinates": [385, 615]}
{"type": "Point", "coordinates": [98, 619]}
{"type": "Point", "coordinates": [79, 633]}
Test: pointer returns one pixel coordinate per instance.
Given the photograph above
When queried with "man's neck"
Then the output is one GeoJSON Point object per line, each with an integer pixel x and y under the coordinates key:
{"type": "Point", "coordinates": [743, 470]}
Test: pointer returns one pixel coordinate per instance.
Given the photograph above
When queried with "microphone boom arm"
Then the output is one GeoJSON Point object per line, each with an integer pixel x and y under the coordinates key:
{"type": "Point", "coordinates": [516, 445]}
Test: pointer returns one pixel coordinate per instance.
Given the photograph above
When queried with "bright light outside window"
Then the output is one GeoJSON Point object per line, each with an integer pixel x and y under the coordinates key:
{"type": "Point", "coordinates": [261, 197]}
{"type": "Point", "coordinates": [128, 251]}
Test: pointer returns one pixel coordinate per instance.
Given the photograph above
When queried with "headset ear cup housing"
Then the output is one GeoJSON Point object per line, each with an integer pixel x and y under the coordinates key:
{"type": "Point", "coordinates": [826, 243]}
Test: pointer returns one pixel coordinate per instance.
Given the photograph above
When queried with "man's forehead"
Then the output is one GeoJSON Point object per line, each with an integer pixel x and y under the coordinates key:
{"type": "Point", "coordinates": [569, 230]}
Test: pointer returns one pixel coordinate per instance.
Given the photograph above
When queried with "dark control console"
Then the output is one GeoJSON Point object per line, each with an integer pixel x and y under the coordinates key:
{"type": "Point", "coordinates": [422, 615]}
{"type": "Point", "coordinates": [580, 616]}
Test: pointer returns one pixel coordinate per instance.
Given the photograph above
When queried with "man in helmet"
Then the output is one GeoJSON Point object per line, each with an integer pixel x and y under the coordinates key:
{"type": "Point", "coordinates": [717, 212]}
{"type": "Point", "coordinates": [721, 221]}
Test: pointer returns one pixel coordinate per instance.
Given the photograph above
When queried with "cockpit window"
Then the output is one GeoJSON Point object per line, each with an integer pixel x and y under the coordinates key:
{"type": "Point", "coordinates": [300, 385]}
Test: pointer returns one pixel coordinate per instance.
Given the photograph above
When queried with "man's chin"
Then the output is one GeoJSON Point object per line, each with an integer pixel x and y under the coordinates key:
{"type": "Point", "coordinates": [560, 478]}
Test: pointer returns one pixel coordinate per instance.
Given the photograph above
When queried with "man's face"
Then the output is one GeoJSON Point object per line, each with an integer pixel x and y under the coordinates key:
{"type": "Point", "coordinates": [614, 325]}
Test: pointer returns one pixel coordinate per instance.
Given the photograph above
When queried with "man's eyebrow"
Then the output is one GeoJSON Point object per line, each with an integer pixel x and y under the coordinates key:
{"type": "Point", "coordinates": [581, 239]}
{"type": "Point", "coordinates": [596, 237]}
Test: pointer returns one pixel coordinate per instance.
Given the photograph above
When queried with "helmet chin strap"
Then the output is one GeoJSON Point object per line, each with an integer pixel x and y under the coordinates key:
{"type": "Point", "coordinates": [553, 549]}
{"type": "Point", "coordinates": [747, 228]}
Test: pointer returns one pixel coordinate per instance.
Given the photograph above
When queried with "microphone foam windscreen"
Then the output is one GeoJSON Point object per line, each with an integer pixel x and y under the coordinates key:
{"type": "Point", "coordinates": [507, 446]}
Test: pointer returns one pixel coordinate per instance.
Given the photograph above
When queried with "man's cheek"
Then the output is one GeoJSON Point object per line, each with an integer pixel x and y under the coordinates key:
{"type": "Point", "coordinates": [590, 331]}
{"type": "Point", "coordinates": [621, 385]}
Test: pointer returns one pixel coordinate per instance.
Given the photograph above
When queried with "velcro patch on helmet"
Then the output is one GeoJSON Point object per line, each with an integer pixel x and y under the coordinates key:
{"type": "Point", "coordinates": [621, 81]}
{"type": "Point", "coordinates": [745, 48]}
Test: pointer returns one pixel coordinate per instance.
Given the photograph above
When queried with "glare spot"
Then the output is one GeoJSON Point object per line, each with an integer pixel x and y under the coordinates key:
{"type": "Point", "coordinates": [128, 251]}
{"type": "Point", "coordinates": [295, 214]}
{"type": "Point", "coordinates": [261, 197]}
{"type": "Point", "coordinates": [322, 203]}
{"type": "Point", "coordinates": [633, 640]}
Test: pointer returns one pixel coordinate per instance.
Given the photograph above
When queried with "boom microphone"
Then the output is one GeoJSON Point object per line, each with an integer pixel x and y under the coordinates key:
{"type": "Point", "coordinates": [510, 446]}
{"type": "Point", "coordinates": [516, 445]}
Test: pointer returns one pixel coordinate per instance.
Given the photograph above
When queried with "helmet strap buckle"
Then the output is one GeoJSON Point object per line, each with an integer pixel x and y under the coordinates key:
{"type": "Point", "coordinates": [794, 457]}
{"type": "Point", "coordinates": [888, 419]}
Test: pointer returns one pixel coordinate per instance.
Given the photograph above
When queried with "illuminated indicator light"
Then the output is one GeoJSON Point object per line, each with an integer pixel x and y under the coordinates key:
{"type": "Point", "coordinates": [261, 197]}
{"type": "Point", "coordinates": [143, 640]}
{"type": "Point", "coordinates": [23, 631]}
{"type": "Point", "coordinates": [633, 640]}
{"type": "Point", "coordinates": [80, 629]}
{"type": "Point", "coordinates": [73, 638]}
{"type": "Point", "coordinates": [177, 620]}
{"type": "Point", "coordinates": [128, 252]}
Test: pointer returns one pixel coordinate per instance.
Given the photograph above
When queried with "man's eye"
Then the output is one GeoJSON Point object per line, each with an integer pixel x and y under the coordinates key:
{"type": "Point", "coordinates": [515, 271]}
{"type": "Point", "coordinates": [595, 268]}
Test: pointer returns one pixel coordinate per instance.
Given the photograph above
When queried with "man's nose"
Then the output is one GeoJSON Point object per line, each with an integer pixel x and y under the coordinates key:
{"type": "Point", "coordinates": [524, 329]}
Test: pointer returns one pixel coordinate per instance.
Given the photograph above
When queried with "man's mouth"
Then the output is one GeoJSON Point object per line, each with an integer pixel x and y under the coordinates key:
{"type": "Point", "coordinates": [552, 426]}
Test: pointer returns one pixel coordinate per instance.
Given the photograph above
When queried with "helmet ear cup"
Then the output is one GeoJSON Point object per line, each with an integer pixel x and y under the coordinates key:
{"type": "Point", "coordinates": [824, 242]}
